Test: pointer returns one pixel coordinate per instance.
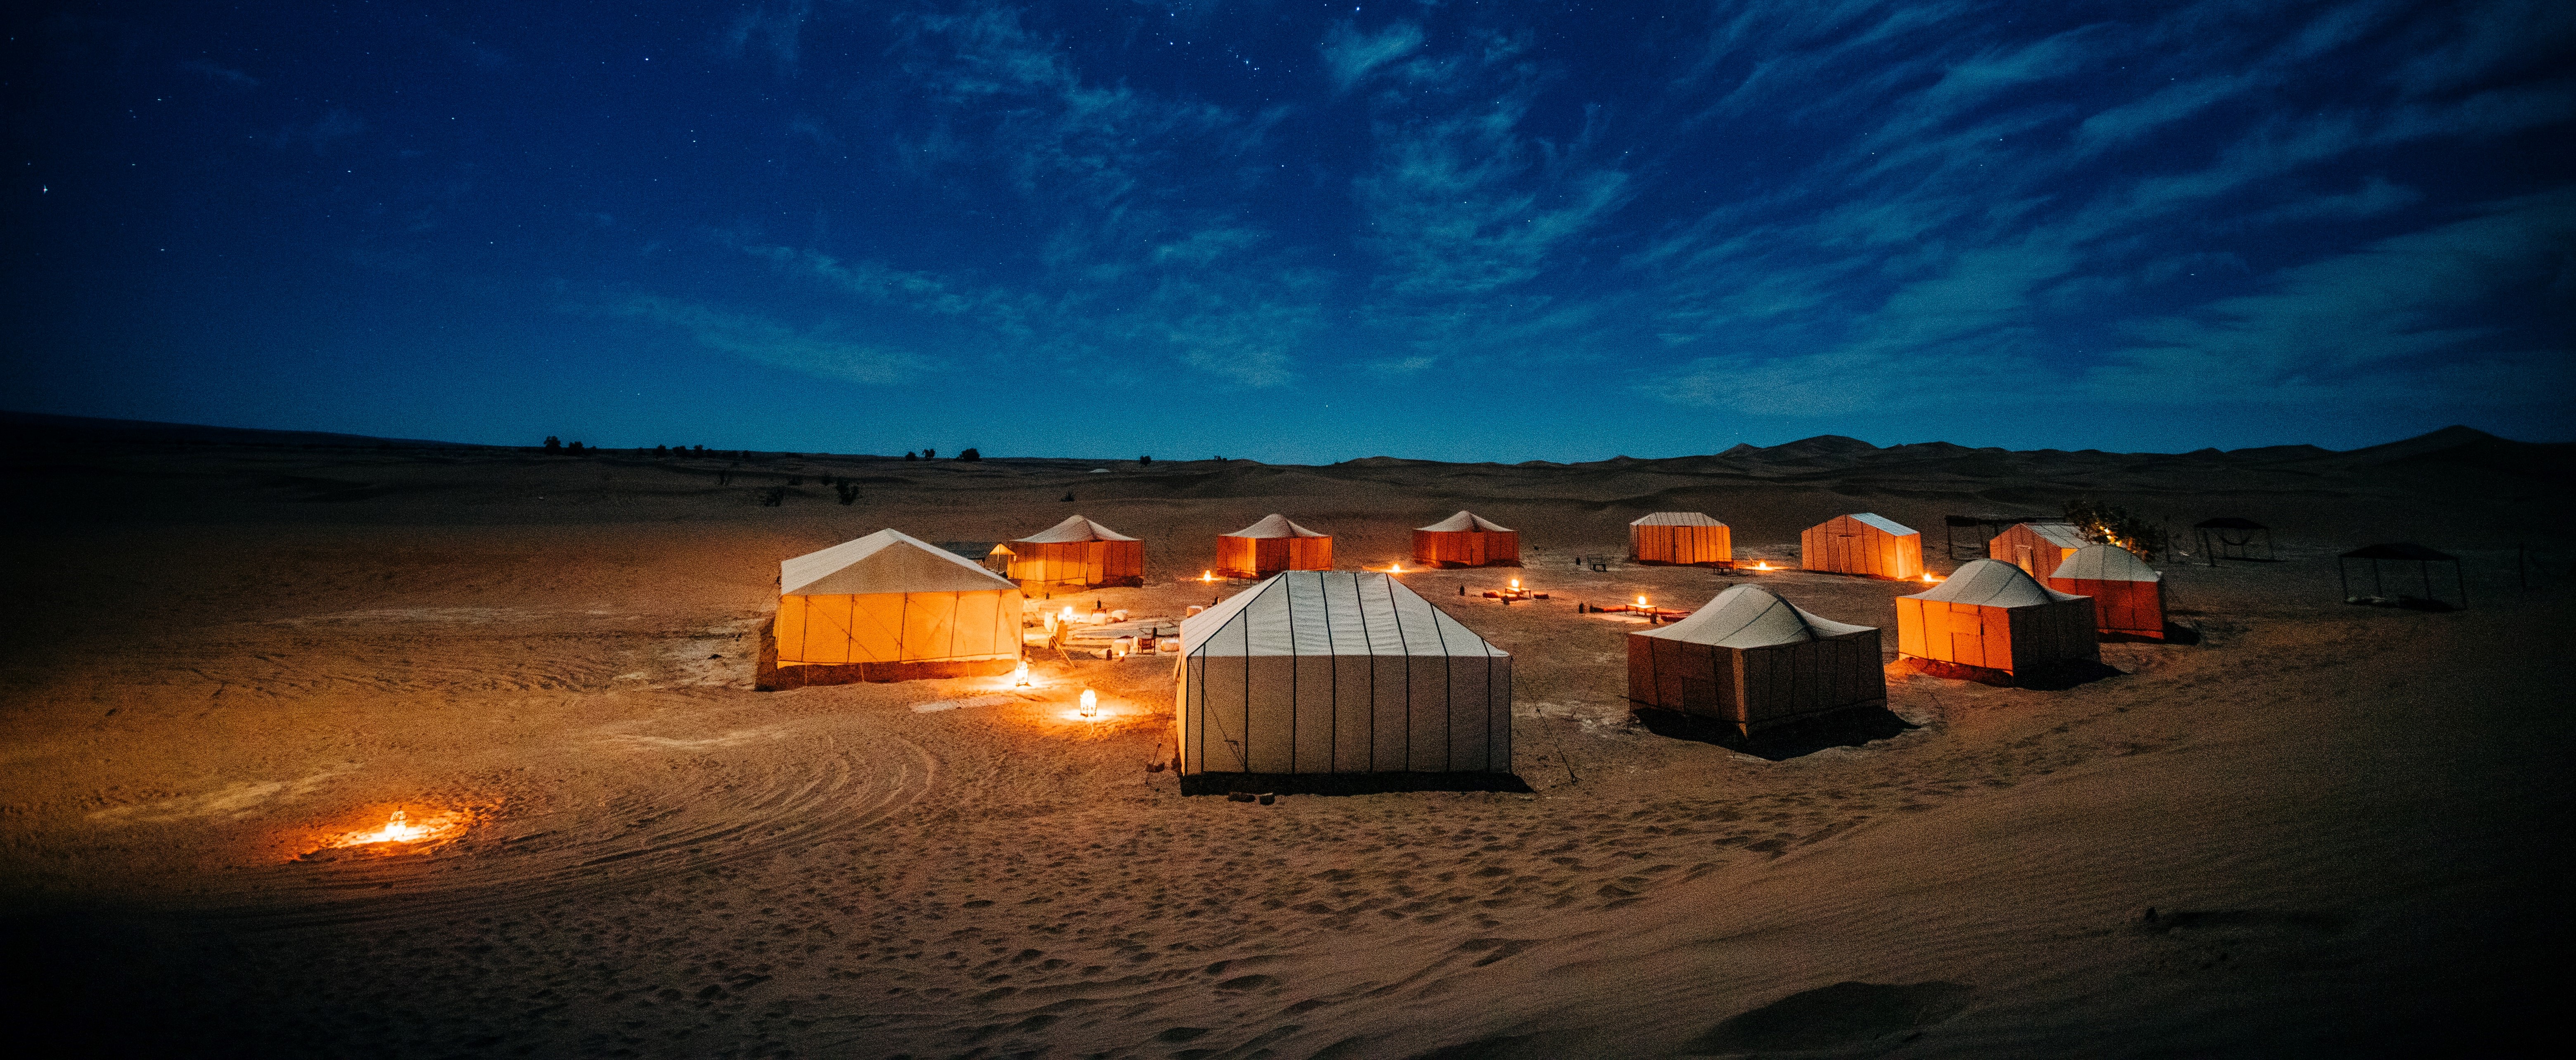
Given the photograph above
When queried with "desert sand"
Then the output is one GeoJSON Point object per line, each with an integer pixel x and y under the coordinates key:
{"type": "Point", "coordinates": [2312, 828]}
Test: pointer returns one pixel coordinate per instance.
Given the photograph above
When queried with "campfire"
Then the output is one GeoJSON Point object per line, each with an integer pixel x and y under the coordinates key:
{"type": "Point", "coordinates": [400, 829]}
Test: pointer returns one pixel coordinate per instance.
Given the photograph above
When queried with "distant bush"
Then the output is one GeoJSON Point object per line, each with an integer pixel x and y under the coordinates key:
{"type": "Point", "coordinates": [553, 444]}
{"type": "Point", "coordinates": [773, 496]}
{"type": "Point", "coordinates": [909, 455]}
{"type": "Point", "coordinates": [930, 454]}
{"type": "Point", "coordinates": [575, 449]}
{"type": "Point", "coordinates": [2114, 525]}
{"type": "Point", "coordinates": [847, 490]}
{"type": "Point", "coordinates": [1144, 460]}
{"type": "Point", "coordinates": [970, 454]}
{"type": "Point", "coordinates": [661, 450]}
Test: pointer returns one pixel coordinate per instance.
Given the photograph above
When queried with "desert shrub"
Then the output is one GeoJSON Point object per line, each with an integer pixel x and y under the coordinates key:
{"type": "Point", "coordinates": [1144, 460]}
{"type": "Point", "coordinates": [661, 450]}
{"type": "Point", "coordinates": [909, 455]}
{"type": "Point", "coordinates": [575, 449]}
{"type": "Point", "coordinates": [553, 444]}
{"type": "Point", "coordinates": [773, 496]}
{"type": "Point", "coordinates": [930, 454]}
{"type": "Point", "coordinates": [847, 490]}
{"type": "Point", "coordinates": [970, 454]}
{"type": "Point", "coordinates": [2112, 524]}
{"type": "Point", "coordinates": [1068, 495]}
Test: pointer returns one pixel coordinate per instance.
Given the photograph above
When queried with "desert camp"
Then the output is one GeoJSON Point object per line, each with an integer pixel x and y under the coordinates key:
{"type": "Point", "coordinates": [1680, 538]}
{"type": "Point", "coordinates": [889, 607]}
{"type": "Point", "coordinates": [1991, 616]}
{"type": "Point", "coordinates": [2128, 595]}
{"type": "Point", "coordinates": [1754, 661]}
{"type": "Point", "coordinates": [1466, 540]}
{"type": "Point", "coordinates": [2037, 547]}
{"type": "Point", "coordinates": [1338, 672]}
{"type": "Point", "coordinates": [1077, 553]}
{"type": "Point", "coordinates": [1865, 544]}
{"type": "Point", "coordinates": [1272, 545]}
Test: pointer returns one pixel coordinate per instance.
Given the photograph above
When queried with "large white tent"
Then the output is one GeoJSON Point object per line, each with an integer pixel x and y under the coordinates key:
{"type": "Point", "coordinates": [1753, 660]}
{"type": "Point", "coordinates": [1339, 672]}
{"type": "Point", "coordinates": [889, 607]}
{"type": "Point", "coordinates": [1994, 616]}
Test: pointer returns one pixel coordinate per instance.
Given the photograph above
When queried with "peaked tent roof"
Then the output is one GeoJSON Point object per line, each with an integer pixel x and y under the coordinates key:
{"type": "Point", "coordinates": [1882, 522]}
{"type": "Point", "coordinates": [1464, 521]}
{"type": "Point", "coordinates": [888, 561]}
{"type": "Point", "coordinates": [1312, 612]}
{"type": "Point", "coordinates": [1750, 616]}
{"type": "Point", "coordinates": [1074, 528]}
{"type": "Point", "coordinates": [2059, 533]}
{"type": "Point", "coordinates": [1275, 525]}
{"type": "Point", "coordinates": [1674, 519]}
{"type": "Point", "coordinates": [2106, 563]}
{"type": "Point", "coordinates": [1992, 583]}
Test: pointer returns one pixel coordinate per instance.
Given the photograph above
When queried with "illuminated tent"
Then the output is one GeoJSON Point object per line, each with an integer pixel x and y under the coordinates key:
{"type": "Point", "coordinates": [1467, 540]}
{"type": "Point", "coordinates": [2128, 596]}
{"type": "Point", "coordinates": [1333, 672]}
{"type": "Point", "coordinates": [1992, 615]}
{"type": "Point", "coordinates": [1078, 551]}
{"type": "Point", "coordinates": [1680, 537]}
{"type": "Point", "coordinates": [1272, 545]}
{"type": "Point", "coordinates": [1862, 544]}
{"type": "Point", "coordinates": [889, 607]}
{"type": "Point", "coordinates": [1753, 660]}
{"type": "Point", "coordinates": [2037, 548]}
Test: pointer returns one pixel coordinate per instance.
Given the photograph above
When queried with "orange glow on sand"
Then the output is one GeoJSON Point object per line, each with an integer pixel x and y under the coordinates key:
{"type": "Point", "coordinates": [1928, 578]}
{"type": "Point", "coordinates": [1207, 576]}
{"type": "Point", "coordinates": [400, 828]}
{"type": "Point", "coordinates": [1764, 565]}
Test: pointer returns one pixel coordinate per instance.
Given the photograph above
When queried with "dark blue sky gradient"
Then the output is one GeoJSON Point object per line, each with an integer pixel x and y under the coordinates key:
{"type": "Point", "coordinates": [1294, 231]}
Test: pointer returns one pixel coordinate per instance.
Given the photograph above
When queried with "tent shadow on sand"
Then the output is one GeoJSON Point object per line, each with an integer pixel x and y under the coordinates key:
{"type": "Point", "coordinates": [1842, 728]}
{"type": "Point", "coordinates": [1348, 783]}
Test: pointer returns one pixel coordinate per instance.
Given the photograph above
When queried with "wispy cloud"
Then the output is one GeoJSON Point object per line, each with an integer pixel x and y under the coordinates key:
{"type": "Point", "coordinates": [820, 352]}
{"type": "Point", "coordinates": [220, 73]}
{"type": "Point", "coordinates": [1351, 54]}
{"type": "Point", "coordinates": [776, 30]}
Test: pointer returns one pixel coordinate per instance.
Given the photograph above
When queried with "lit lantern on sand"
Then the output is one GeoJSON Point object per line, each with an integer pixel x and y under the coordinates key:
{"type": "Point", "coordinates": [1020, 675]}
{"type": "Point", "coordinates": [1206, 576]}
{"type": "Point", "coordinates": [1928, 578]}
{"type": "Point", "coordinates": [1764, 565]}
{"type": "Point", "coordinates": [1516, 585]}
{"type": "Point", "coordinates": [1395, 568]}
{"type": "Point", "coordinates": [1641, 601]}
{"type": "Point", "coordinates": [401, 829]}
{"type": "Point", "coordinates": [1090, 704]}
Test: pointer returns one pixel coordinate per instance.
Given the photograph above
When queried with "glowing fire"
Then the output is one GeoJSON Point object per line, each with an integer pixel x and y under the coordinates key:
{"type": "Point", "coordinates": [400, 829]}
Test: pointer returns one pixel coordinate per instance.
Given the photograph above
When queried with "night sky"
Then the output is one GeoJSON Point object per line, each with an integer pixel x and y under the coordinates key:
{"type": "Point", "coordinates": [1297, 232]}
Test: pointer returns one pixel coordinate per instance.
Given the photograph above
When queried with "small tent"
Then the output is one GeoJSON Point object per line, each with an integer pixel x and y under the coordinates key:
{"type": "Point", "coordinates": [1862, 544]}
{"type": "Point", "coordinates": [1339, 672]}
{"type": "Point", "coordinates": [1467, 540]}
{"type": "Point", "coordinates": [1078, 551]}
{"type": "Point", "coordinates": [1272, 545]}
{"type": "Point", "coordinates": [1992, 615]}
{"type": "Point", "coordinates": [2128, 596]}
{"type": "Point", "coordinates": [1680, 537]}
{"type": "Point", "coordinates": [1753, 660]}
{"type": "Point", "coordinates": [890, 607]}
{"type": "Point", "coordinates": [2037, 548]}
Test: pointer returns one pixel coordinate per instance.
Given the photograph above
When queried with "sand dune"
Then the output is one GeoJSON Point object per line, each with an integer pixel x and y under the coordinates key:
{"type": "Point", "coordinates": [2345, 820]}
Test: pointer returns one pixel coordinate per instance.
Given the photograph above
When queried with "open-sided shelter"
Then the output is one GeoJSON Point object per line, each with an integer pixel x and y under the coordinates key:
{"type": "Point", "coordinates": [2037, 548]}
{"type": "Point", "coordinates": [2230, 537]}
{"type": "Point", "coordinates": [1993, 615]}
{"type": "Point", "coordinates": [890, 607]}
{"type": "Point", "coordinates": [1753, 661]}
{"type": "Point", "coordinates": [1680, 537]}
{"type": "Point", "coordinates": [1272, 545]}
{"type": "Point", "coordinates": [1467, 540]}
{"type": "Point", "coordinates": [2128, 596]}
{"type": "Point", "coordinates": [2401, 552]}
{"type": "Point", "coordinates": [1080, 552]}
{"type": "Point", "coordinates": [1339, 672]}
{"type": "Point", "coordinates": [1862, 544]}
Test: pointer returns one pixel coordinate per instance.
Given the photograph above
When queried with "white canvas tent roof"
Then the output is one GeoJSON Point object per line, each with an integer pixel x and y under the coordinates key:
{"type": "Point", "coordinates": [888, 561]}
{"type": "Point", "coordinates": [1074, 528]}
{"type": "Point", "coordinates": [1882, 522]}
{"type": "Point", "coordinates": [1465, 521]}
{"type": "Point", "coordinates": [1329, 613]}
{"type": "Point", "coordinates": [1750, 616]}
{"type": "Point", "coordinates": [1992, 583]}
{"type": "Point", "coordinates": [1275, 525]}
{"type": "Point", "coordinates": [2062, 535]}
{"type": "Point", "coordinates": [2106, 563]}
{"type": "Point", "coordinates": [1674, 519]}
